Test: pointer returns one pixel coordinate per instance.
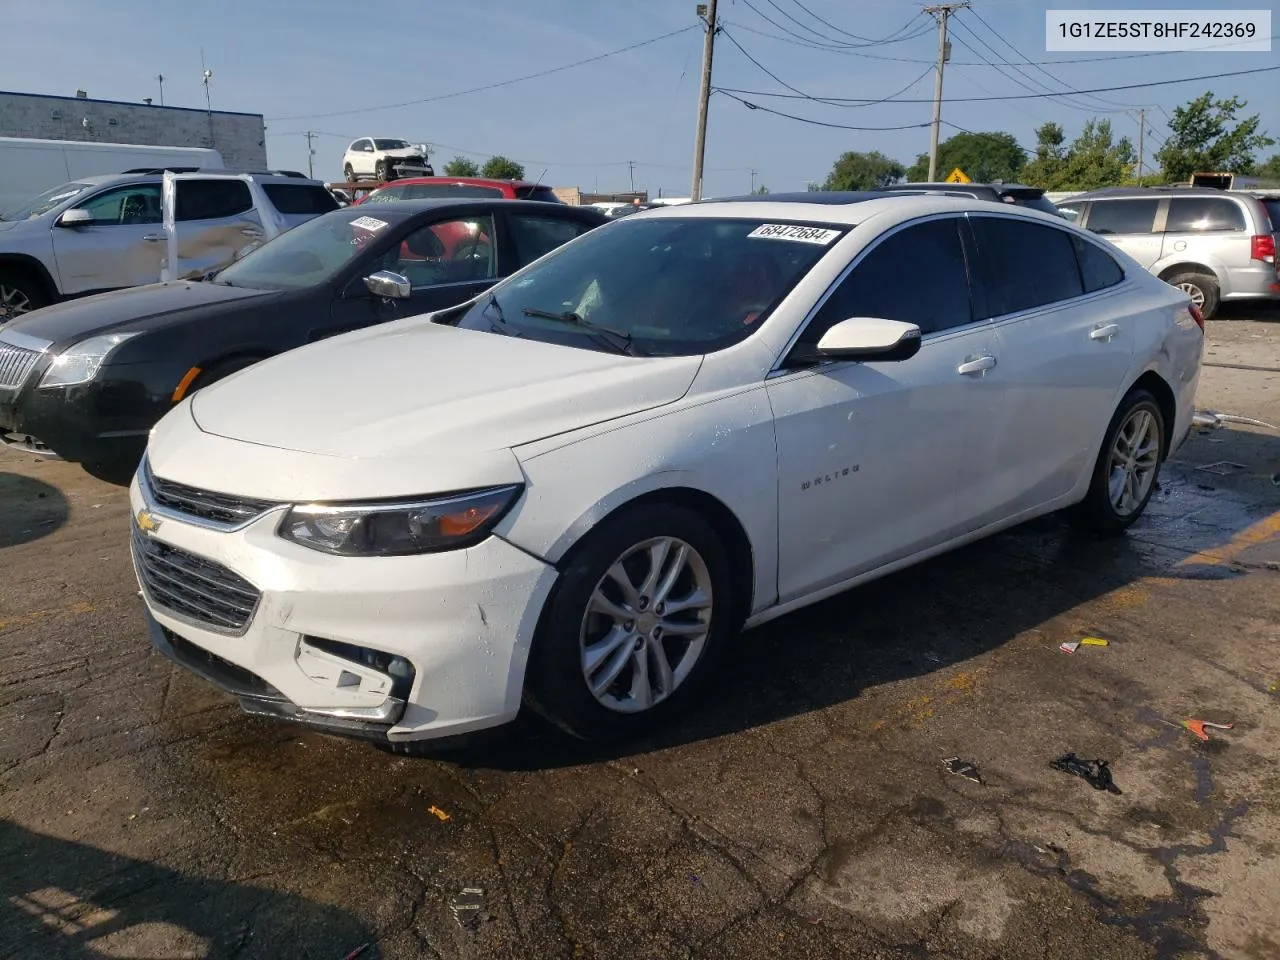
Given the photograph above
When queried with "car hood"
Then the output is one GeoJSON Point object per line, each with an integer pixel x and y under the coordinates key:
{"type": "Point", "coordinates": [76, 319]}
{"type": "Point", "coordinates": [402, 152]}
{"type": "Point", "coordinates": [415, 387]}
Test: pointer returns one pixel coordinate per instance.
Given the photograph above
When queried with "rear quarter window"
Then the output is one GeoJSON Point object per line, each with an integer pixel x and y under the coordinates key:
{"type": "Point", "coordinates": [299, 198]}
{"type": "Point", "coordinates": [1204, 215]}
{"type": "Point", "coordinates": [1098, 269]}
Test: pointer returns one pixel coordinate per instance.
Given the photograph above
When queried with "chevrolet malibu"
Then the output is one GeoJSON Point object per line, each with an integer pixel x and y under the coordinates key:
{"type": "Point", "coordinates": [574, 490]}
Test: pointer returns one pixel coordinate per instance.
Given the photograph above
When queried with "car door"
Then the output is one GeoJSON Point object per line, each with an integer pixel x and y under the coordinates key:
{"type": "Point", "coordinates": [214, 223]}
{"type": "Point", "coordinates": [122, 247]}
{"type": "Point", "coordinates": [1129, 223]}
{"type": "Point", "coordinates": [1065, 345]}
{"type": "Point", "coordinates": [364, 162]}
{"type": "Point", "coordinates": [447, 262]}
{"type": "Point", "coordinates": [871, 455]}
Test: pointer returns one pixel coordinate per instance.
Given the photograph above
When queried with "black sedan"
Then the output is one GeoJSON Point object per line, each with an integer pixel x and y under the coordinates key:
{"type": "Point", "coordinates": [87, 379]}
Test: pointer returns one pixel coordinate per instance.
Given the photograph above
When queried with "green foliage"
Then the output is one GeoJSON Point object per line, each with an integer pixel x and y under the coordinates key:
{"type": "Point", "coordinates": [502, 168]}
{"type": "Point", "coordinates": [984, 157]}
{"type": "Point", "coordinates": [1271, 169]}
{"type": "Point", "coordinates": [761, 190]}
{"type": "Point", "coordinates": [862, 171]}
{"type": "Point", "coordinates": [461, 167]}
{"type": "Point", "coordinates": [1206, 138]}
{"type": "Point", "coordinates": [1094, 159]}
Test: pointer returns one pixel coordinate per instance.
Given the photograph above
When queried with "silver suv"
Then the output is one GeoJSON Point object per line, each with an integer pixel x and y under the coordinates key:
{"type": "Point", "coordinates": [104, 233]}
{"type": "Point", "coordinates": [1214, 244]}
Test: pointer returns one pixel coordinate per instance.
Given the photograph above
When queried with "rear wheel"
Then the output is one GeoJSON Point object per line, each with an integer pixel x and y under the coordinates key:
{"type": "Point", "coordinates": [635, 625]}
{"type": "Point", "coordinates": [20, 293]}
{"type": "Point", "coordinates": [1127, 468]}
{"type": "Point", "coordinates": [1202, 288]}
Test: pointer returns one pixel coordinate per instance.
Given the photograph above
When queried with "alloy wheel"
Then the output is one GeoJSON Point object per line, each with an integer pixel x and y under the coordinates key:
{"type": "Point", "coordinates": [1135, 458]}
{"type": "Point", "coordinates": [1194, 291]}
{"type": "Point", "coordinates": [13, 304]}
{"type": "Point", "coordinates": [646, 625]}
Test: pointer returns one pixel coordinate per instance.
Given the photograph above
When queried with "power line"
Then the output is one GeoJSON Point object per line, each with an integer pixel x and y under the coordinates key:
{"type": "Point", "coordinates": [866, 41]}
{"type": "Point", "coordinates": [817, 123]}
{"type": "Point", "coordinates": [821, 44]}
{"type": "Point", "coordinates": [1025, 96]}
{"type": "Point", "coordinates": [493, 86]}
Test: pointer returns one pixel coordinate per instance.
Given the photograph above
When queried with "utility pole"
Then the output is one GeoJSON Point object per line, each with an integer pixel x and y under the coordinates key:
{"type": "Point", "coordinates": [631, 164]}
{"type": "Point", "coordinates": [941, 12]}
{"type": "Point", "coordinates": [753, 180]}
{"type": "Point", "coordinates": [311, 156]}
{"type": "Point", "coordinates": [708, 12]}
{"type": "Point", "coordinates": [160, 77]}
{"type": "Point", "coordinates": [1142, 126]}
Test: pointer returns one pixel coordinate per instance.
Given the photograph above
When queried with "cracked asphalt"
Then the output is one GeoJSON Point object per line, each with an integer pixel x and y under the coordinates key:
{"type": "Point", "coordinates": [804, 811]}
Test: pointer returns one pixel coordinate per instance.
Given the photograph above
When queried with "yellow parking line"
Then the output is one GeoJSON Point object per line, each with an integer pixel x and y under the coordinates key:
{"type": "Point", "coordinates": [1251, 536]}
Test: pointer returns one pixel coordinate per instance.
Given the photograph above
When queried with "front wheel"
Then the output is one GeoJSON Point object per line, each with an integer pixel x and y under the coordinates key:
{"type": "Point", "coordinates": [1128, 465]}
{"type": "Point", "coordinates": [19, 294]}
{"type": "Point", "coordinates": [635, 624]}
{"type": "Point", "coordinates": [381, 171]}
{"type": "Point", "coordinates": [349, 173]}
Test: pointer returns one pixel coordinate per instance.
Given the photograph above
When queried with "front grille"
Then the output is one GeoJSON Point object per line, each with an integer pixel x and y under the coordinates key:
{"type": "Point", "coordinates": [191, 587]}
{"type": "Point", "coordinates": [222, 508]}
{"type": "Point", "coordinates": [15, 364]}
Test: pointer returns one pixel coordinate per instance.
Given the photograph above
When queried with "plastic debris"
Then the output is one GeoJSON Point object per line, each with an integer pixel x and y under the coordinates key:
{"type": "Point", "coordinates": [1071, 646]}
{"type": "Point", "coordinates": [962, 768]}
{"type": "Point", "coordinates": [438, 813]}
{"type": "Point", "coordinates": [1096, 773]}
{"type": "Point", "coordinates": [1095, 642]}
{"type": "Point", "coordinates": [1198, 727]}
{"type": "Point", "coordinates": [356, 952]}
{"type": "Point", "coordinates": [1223, 468]}
{"type": "Point", "coordinates": [467, 906]}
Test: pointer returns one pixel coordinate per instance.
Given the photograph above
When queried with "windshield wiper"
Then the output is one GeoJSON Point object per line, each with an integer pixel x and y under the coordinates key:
{"type": "Point", "coordinates": [615, 339]}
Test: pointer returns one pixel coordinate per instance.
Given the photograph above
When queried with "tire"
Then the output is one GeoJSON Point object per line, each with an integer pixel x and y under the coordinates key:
{"type": "Point", "coordinates": [20, 293]}
{"type": "Point", "coordinates": [349, 173]}
{"type": "Point", "coordinates": [556, 684]}
{"type": "Point", "coordinates": [1202, 288]}
{"type": "Point", "coordinates": [381, 172]}
{"type": "Point", "coordinates": [1103, 511]}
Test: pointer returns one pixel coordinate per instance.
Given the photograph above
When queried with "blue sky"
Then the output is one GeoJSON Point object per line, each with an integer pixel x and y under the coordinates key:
{"type": "Point", "coordinates": [297, 58]}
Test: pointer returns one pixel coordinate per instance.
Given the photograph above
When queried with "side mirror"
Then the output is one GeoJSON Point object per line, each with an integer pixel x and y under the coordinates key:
{"type": "Point", "coordinates": [869, 339]}
{"type": "Point", "coordinates": [387, 284]}
{"type": "Point", "coordinates": [75, 218]}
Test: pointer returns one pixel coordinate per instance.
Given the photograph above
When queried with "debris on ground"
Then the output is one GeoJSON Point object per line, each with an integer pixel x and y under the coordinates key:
{"type": "Point", "coordinates": [962, 768]}
{"type": "Point", "coordinates": [1215, 420]}
{"type": "Point", "coordinates": [1096, 773]}
{"type": "Point", "coordinates": [1198, 727]}
{"type": "Point", "coordinates": [1223, 468]}
{"type": "Point", "coordinates": [1071, 646]}
{"type": "Point", "coordinates": [467, 906]}
{"type": "Point", "coordinates": [438, 813]}
{"type": "Point", "coordinates": [1095, 642]}
{"type": "Point", "coordinates": [356, 952]}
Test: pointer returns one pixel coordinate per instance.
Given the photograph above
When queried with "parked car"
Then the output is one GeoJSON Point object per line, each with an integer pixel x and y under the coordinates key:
{"type": "Point", "coordinates": [383, 158]}
{"type": "Point", "coordinates": [105, 233]}
{"type": "Point", "coordinates": [428, 188]}
{"type": "Point", "coordinates": [87, 380]}
{"type": "Point", "coordinates": [1015, 193]}
{"type": "Point", "coordinates": [1213, 244]}
{"type": "Point", "coordinates": [575, 489]}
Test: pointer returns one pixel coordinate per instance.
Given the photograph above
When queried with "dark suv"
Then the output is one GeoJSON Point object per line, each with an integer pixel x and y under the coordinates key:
{"type": "Point", "coordinates": [1016, 193]}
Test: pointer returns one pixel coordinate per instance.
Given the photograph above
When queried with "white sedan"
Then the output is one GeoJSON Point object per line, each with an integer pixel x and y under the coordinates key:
{"type": "Point", "coordinates": [576, 490]}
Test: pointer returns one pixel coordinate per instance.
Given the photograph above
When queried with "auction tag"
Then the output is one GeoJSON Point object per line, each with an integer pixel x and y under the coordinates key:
{"type": "Point", "coordinates": [368, 223]}
{"type": "Point", "coordinates": [790, 231]}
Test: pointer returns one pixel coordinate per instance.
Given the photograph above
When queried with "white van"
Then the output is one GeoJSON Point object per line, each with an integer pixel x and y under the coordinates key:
{"type": "Point", "coordinates": [30, 167]}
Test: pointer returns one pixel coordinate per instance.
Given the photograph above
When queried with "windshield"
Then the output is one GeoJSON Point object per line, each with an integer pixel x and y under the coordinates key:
{"type": "Point", "coordinates": [672, 286]}
{"type": "Point", "coordinates": [45, 202]}
{"type": "Point", "coordinates": [309, 254]}
{"type": "Point", "coordinates": [391, 145]}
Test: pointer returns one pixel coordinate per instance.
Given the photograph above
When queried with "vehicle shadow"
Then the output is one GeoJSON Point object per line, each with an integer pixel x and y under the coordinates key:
{"type": "Point", "coordinates": [949, 610]}
{"type": "Point", "coordinates": [61, 899]}
{"type": "Point", "coordinates": [41, 509]}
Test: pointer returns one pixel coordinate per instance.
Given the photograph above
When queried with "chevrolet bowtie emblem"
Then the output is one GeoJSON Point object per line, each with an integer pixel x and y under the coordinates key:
{"type": "Point", "coordinates": [147, 522]}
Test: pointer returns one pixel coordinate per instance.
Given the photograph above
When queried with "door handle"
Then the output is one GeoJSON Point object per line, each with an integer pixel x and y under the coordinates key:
{"type": "Point", "coordinates": [976, 365]}
{"type": "Point", "coordinates": [1104, 331]}
{"type": "Point", "coordinates": [155, 237]}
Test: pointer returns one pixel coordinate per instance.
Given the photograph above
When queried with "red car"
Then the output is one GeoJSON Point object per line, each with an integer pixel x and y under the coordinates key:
{"type": "Point", "coordinates": [427, 188]}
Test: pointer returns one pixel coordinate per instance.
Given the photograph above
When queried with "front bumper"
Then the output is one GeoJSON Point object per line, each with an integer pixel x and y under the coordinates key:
{"type": "Point", "coordinates": [463, 619]}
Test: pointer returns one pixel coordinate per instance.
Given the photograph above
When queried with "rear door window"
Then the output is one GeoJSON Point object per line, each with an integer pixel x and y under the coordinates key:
{"type": "Point", "coordinates": [211, 199]}
{"type": "Point", "coordinates": [1025, 265]}
{"type": "Point", "coordinates": [1122, 216]}
{"type": "Point", "coordinates": [1203, 215]}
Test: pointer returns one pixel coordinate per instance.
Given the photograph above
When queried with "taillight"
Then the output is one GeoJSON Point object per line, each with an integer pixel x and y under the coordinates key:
{"type": "Point", "coordinates": [1263, 248]}
{"type": "Point", "coordinates": [1197, 315]}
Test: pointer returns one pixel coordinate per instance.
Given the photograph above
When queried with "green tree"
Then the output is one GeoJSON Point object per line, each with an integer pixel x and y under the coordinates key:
{"type": "Point", "coordinates": [461, 167]}
{"type": "Point", "coordinates": [1271, 169]}
{"type": "Point", "coordinates": [863, 171]}
{"type": "Point", "coordinates": [1094, 159]}
{"type": "Point", "coordinates": [502, 168]}
{"type": "Point", "coordinates": [761, 190]}
{"type": "Point", "coordinates": [984, 157]}
{"type": "Point", "coordinates": [1045, 169]}
{"type": "Point", "coordinates": [1205, 137]}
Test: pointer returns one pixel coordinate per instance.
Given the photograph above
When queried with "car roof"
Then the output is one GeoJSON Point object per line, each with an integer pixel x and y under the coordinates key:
{"type": "Point", "coordinates": [400, 209]}
{"type": "Point", "coordinates": [107, 179]}
{"type": "Point", "coordinates": [840, 208]}
{"type": "Point", "coordinates": [824, 197]}
{"type": "Point", "coordinates": [467, 181]}
{"type": "Point", "coordinates": [1130, 193]}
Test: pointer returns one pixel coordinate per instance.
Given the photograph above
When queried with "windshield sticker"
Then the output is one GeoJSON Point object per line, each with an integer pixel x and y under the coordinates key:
{"type": "Point", "coordinates": [369, 223]}
{"type": "Point", "coordinates": [787, 231]}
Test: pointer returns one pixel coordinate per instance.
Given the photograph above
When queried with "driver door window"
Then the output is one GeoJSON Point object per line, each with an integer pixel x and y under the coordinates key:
{"type": "Point", "coordinates": [135, 204]}
{"type": "Point", "coordinates": [452, 251]}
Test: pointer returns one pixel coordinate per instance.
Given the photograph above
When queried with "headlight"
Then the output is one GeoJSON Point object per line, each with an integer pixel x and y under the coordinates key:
{"type": "Point", "coordinates": [399, 528]}
{"type": "Point", "coordinates": [80, 363]}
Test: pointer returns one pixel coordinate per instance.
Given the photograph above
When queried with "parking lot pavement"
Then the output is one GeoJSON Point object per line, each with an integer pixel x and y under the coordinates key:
{"type": "Point", "coordinates": [804, 811]}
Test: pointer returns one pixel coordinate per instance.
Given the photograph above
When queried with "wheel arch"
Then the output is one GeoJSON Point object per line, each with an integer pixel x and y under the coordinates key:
{"type": "Point", "coordinates": [1158, 387]}
{"type": "Point", "coordinates": [32, 267]}
{"type": "Point", "coordinates": [1168, 270]}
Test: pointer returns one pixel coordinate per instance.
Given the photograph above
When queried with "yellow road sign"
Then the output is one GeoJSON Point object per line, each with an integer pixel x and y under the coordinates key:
{"type": "Point", "coordinates": [957, 176]}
